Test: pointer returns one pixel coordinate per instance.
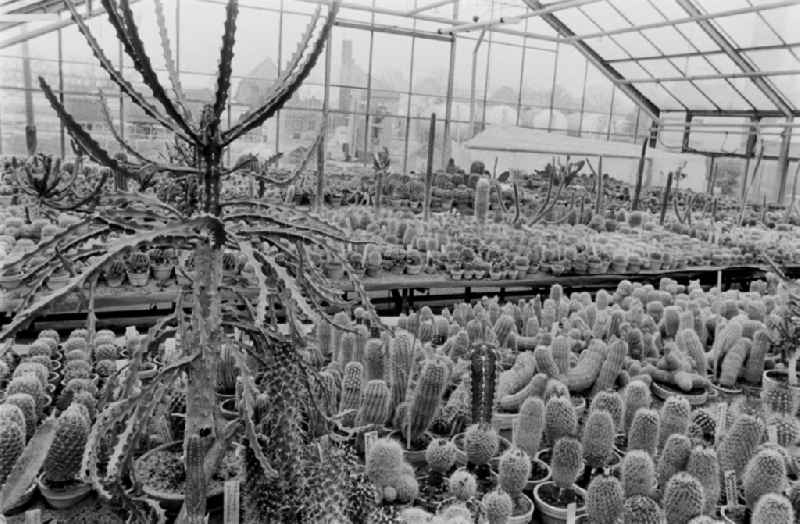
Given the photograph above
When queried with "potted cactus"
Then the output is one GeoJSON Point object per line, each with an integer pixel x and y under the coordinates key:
{"type": "Point", "coordinates": [59, 482]}
{"type": "Point", "coordinates": [413, 262]}
{"type": "Point", "coordinates": [441, 458]}
{"type": "Point", "coordinates": [114, 273]}
{"type": "Point", "coordinates": [781, 387]}
{"type": "Point", "coordinates": [373, 262]}
{"type": "Point", "coordinates": [160, 265]}
{"type": "Point", "coordinates": [514, 472]}
{"type": "Point", "coordinates": [138, 268]}
{"type": "Point", "coordinates": [553, 497]}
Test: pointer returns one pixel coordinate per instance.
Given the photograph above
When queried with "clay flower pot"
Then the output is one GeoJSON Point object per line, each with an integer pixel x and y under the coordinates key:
{"type": "Point", "coordinates": [65, 495]}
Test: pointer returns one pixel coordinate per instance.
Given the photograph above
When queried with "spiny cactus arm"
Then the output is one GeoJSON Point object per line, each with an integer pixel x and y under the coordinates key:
{"type": "Point", "coordinates": [261, 306]}
{"type": "Point", "coordinates": [246, 415]}
{"type": "Point", "coordinates": [185, 230]}
{"type": "Point", "coordinates": [288, 217]}
{"type": "Point", "coordinates": [296, 73]}
{"type": "Point", "coordinates": [28, 464]}
{"type": "Point", "coordinates": [225, 60]}
{"type": "Point", "coordinates": [117, 77]}
{"type": "Point", "coordinates": [169, 62]}
{"type": "Point", "coordinates": [515, 222]}
{"type": "Point", "coordinates": [76, 131]}
{"type": "Point", "coordinates": [298, 171]}
{"type": "Point", "coordinates": [545, 208]}
{"type": "Point", "coordinates": [128, 35]}
{"type": "Point", "coordinates": [47, 247]}
{"type": "Point", "coordinates": [111, 127]}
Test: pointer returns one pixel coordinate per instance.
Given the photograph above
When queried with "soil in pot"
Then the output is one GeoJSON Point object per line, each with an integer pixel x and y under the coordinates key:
{"type": "Point", "coordinates": [539, 471]}
{"type": "Point", "coordinates": [162, 473]}
{"type": "Point", "coordinates": [735, 514]}
{"type": "Point", "coordinates": [484, 475]}
{"type": "Point", "coordinates": [62, 495]}
{"type": "Point", "coordinates": [559, 498]}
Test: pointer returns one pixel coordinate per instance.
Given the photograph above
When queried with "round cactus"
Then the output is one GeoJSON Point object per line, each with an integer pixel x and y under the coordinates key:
{"type": "Point", "coordinates": [604, 500]}
{"type": "Point", "coordinates": [441, 455]}
{"type": "Point", "coordinates": [27, 405]}
{"type": "Point", "coordinates": [705, 421]}
{"type": "Point", "coordinates": [383, 462]}
{"type": "Point", "coordinates": [765, 473]}
{"type": "Point", "coordinates": [39, 347]}
{"type": "Point", "coordinates": [644, 431]}
{"type": "Point", "coordinates": [52, 334]}
{"type": "Point", "coordinates": [77, 369]}
{"type": "Point", "coordinates": [703, 466]}
{"type": "Point", "coordinates": [28, 384]}
{"type": "Point", "coordinates": [598, 438]}
{"type": "Point", "coordinates": [567, 462]}
{"type": "Point", "coordinates": [641, 509]}
{"type": "Point", "coordinates": [106, 352]}
{"type": "Point", "coordinates": [65, 455]}
{"type": "Point", "coordinates": [36, 369]}
{"type": "Point", "coordinates": [462, 484]}
{"type": "Point", "coordinates": [683, 498]}
{"type": "Point", "coordinates": [75, 343]}
{"type": "Point", "coordinates": [498, 506]}
{"type": "Point", "coordinates": [12, 442]}
{"type": "Point", "coordinates": [105, 368]}
{"type": "Point", "coordinates": [560, 419]}
{"type": "Point", "coordinates": [773, 509]}
{"type": "Point", "coordinates": [638, 473]}
{"type": "Point", "coordinates": [76, 354]}
{"type": "Point", "coordinates": [481, 444]}
{"type": "Point", "coordinates": [14, 414]}
{"type": "Point", "coordinates": [515, 469]}
{"type": "Point", "coordinates": [407, 488]}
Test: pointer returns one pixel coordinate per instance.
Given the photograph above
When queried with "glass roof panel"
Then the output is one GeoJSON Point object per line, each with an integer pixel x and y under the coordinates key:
{"type": "Point", "coordinates": [635, 43]}
{"type": "Point", "coordinates": [697, 36]}
{"type": "Point", "coordinates": [723, 62]}
{"type": "Point", "coordinates": [577, 21]}
{"type": "Point", "coordinates": [789, 85]}
{"type": "Point", "coordinates": [694, 65]}
{"type": "Point", "coordinates": [774, 59]}
{"type": "Point", "coordinates": [715, 6]}
{"type": "Point", "coordinates": [689, 95]}
{"type": "Point", "coordinates": [753, 93]}
{"type": "Point", "coordinates": [747, 30]}
{"type": "Point", "coordinates": [723, 94]}
{"type": "Point", "coordinates": [605, 16]}
{"type": "Point", "coordinates": [784, 21]}
{"type": "Point", "coordinates": [668, 40]}
{"type": "Point", "coordinates": [658, 96]}
{"type": "Point", "coordinates": [660, 68]}
{"type": "Point", "coordinates": [606, 48]}
{"type": "Point", "coordinates": [644, 13]}
{"type": "Point", "coordinates": [631, 70]}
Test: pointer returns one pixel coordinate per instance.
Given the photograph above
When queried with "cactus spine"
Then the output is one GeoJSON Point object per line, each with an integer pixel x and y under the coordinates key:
{"type": "Point", "coordinates": [604, 500]}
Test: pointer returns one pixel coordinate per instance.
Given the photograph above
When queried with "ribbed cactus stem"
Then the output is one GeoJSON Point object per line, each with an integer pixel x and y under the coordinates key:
{"type": "Point", "coordinates": [195, 492]}
{"type": "Point", "coordinates": [426, 399]}
{"type": "Point", "coordinates": [375, 404]}
{"type": "Point", "coordinates": [482, 200]}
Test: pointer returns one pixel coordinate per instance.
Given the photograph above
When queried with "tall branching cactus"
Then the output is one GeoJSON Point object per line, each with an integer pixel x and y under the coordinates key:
{"type": "Point", "coordinates": [130, 220]}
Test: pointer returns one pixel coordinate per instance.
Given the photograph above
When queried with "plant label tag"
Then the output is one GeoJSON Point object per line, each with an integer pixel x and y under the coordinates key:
{"type": "Point", "coordinates": [571, 513]}
{"type": "Point", "coordinates": [772, 434]}
{"type": "Point", "coordinates": [33, 516]}
{"type": "Point", "coordinates": [231, 511]}
{"type": "Point", "coordinates": [370, 437]}
{"type": "Point", "coordinates": [730, 488]}
{"type": "Point", "coordinates": [722, 420]}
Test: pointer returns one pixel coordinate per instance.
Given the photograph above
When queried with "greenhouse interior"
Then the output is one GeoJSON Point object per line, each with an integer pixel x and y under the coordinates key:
{"type": "Point", "coordinates": [399, 261]}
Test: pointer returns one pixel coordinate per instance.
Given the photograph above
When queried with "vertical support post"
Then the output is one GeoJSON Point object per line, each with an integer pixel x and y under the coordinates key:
{"type": "Point", "coordinates": [30, 123]}
{"type": "Point", "coordinates": [687, 129]}
{"type": "Point", "coordinates": [598, 204]}
{"type": "Point", "coordinates": [121, 99]}
{"type": "Point", "coordinates": [750, 151]}
{"type": "Point", "coordinates": [610, 110]}
{"type": "Point", "coordinates": [447, 150]}
{"type": "Point", "coordinates": [553, 88]}
{"type": "Point", "coordinates": [583, 97]}
{"type": "Point", "coordinates": [790, 207]}
{"type": "Point", "coordinates": [429, 170]}
{"type": "Point", "coordinates": [322, 149]}
{"type": "Point", "coordinates": [61, 134]}
{"type": "Point", "coordinates": [365, 157]}
{"type": "Point", "coordinates": [637, 193]}
{"type": "Point", "coordinates": [522, 72]}
{"type": "Point", "coordinates": [408, 103]}
{"type": "Point", "coordinates": [783, 160]}
{"type": "Point", "coordinates": [472, 83]}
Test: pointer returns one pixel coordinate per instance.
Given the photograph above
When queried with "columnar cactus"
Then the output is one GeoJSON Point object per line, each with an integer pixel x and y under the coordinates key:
{"type": "Point", "coordinates": [441, 455]}
{"type": "Point", "coordinates": [612, 365]}
{"type": "Point", "coordinates": [226, 369]}
{"type": "Point", "coordinates": [373, 359]}
{"type": "Point", "coordinates": [773, 509]}
{"type": "Point", "coordinates": [426, 399]}
{"type": "Point", "coordinates": [758, 352]}
{"type": "Point", "coordinates": [740, 443]}
{"type": "Point", "coordinates": [497, 505]}
{"type": "Point", "coordinates": [323, 332]}
{"type": "Point", "coordinates": [352, 385]}
{"type": "Point", "coordinates": [704, 466]}
{"type": "Point", "coordinates": [689, 343]}
{"type": "Point", "coordinates": [375, 404]}
{"type": "Point", "coordinates": [765, 473]}
{"type": "Point", "coordinates": [674, 418]}
{"type": "Point", "coordinates": [638, 473]}
{"type": "Point", "coordinates": [644, 431]}
{"type": "Point", "coordinates": [641, 509]}
{"type": "Point", "coordinates": [598, 439]}
{"type": "Point", "coordinates": [704, 422]}
{"type": "Point", "coordinates": [482, 200]}
{"type": "Point", "coordinates": [503, 328]}
{"type": "Point", "coordinates": [604, 500]}
{"type": "Point", "coordinates": [195, 491]}
{"type": "Point", "coordinates": [28, 384]}
{"type": "Point", "coordinates": [545, 362]}
{"type": "Point", "coordinates": [561, 350]}
{"type": "Point", "coordinates": [481, 444]}
{"type": "Point", "coordinates": [12, 442]}
{"type": "Point", "coordinates": [566, 462]}
{"type": "Point", "coordinates": [733, 361]}
{"type": "Point", "coordinates": [609, 401]}
{"type": "Point", "coordinates": [106, 352]}
{"type": "Point", "coordinates": [560, 419]}
{"type": "Point", "coordinates": [683, 498]}
{"type": "Point", "coordinates": [530, 425]}
{"type": "Point", "coordinates": [674, 457]}
{"type": "Point", "coordinates": [514, 471]}
{"type": "Point", "coordinates": [64, 458]}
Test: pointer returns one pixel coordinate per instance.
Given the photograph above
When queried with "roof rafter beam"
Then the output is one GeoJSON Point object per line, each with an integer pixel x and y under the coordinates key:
{"type": "Point", "coordinates": [552, 8]}
{"type": "Point", "coordinates": [711, 76]}
{"type": "Point", "coordinates": [699, 17]}
{"type": "Point", "coordinates": [592, 56]}
{"type": "Point", "coordinates": [691, 54]}
{"type": "Point", "coordinates": [743, 63]}
{"type": "Point", "coordinates": [433, 5]}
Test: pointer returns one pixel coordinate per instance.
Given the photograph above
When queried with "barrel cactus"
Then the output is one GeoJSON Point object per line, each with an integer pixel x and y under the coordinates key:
{"type": "Point", "coordinates": [641, 509]}
{"type": "Point", "coordinates": [64, 458]}
{"type": "Point", "coordinates": [765, 473]}
{"type": "Point", "coordinates": [683, 499]}
{"type": "Point", "coordinates": [638, 473]}
{"type": "Point", "coordinates": [604, 500]}
{"type": "Point", "coordinates": [481, 444]}
{"type": "Point", "coordinates": [12, 442]}
{"type": "Point", "coordinates": [773, 509]}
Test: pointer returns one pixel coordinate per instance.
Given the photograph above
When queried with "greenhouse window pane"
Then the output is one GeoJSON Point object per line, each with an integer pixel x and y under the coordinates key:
{"type": "Point", "coordinates": [388, 102]}
{"type": "Point", "coordinates": [636, 44]}
{"type": "Point", "coordinates": [774, 59]}
{"type": "Point", "coordinates": [753, 93]}
{"type": "Point", "coordinates": [577, 21]}
{"type": "Point", "coordinates": [657, 95]}
{"type": "Point", "coordinates": [605, 16]}
{"type": "Point", "coordinates": [638, 14]}
{"type": "Point", "coordinates": [504, 72]}
{"type": "Point", "coordinates": [784, 21]}
{"type": "Point", "coordinates": [350, 57]}
{"type": "Point", "coordinates": [463, 68]}
{"type": "Point", "coordinates": [598, 92]}
{"type": "Point", "coordinates": [747, 30]}
{"type": "Point", "coordinates": [689, 95]}
{"type": "Point", "coordinates": [668, 40]}
{"type": "Point", "coordinates": [660, 68]}
{"type": "Point", "coordinates": [537, 83]}
{"type": "Point", "coordinates": [607, 48]}
{"type": "Point", "coordinates": [789, 86]}
{"type": "Point", "coordinates": [631, 70]}
{"type": "Point", "coordinates": [697, 36]}
{"type": "Point", "coordinates": [723, 62]}
{"type": "Point", "coordinates": [198, 55]}
{"type": "Point", "coordinates": [694, 65]}
{"type": "Point", "coordinates": [569, 79]}
{"type": "Point", "coordinates": [391, 62]}
{"type": "Point", "coordinates": [431, 60]}
{"type": "Point", "coordinates": [723, 94]}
